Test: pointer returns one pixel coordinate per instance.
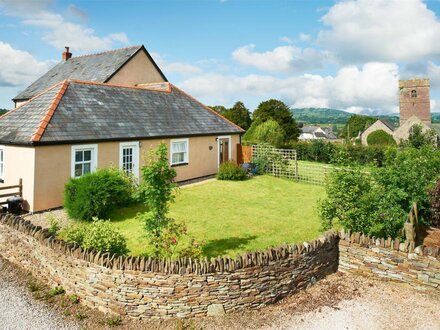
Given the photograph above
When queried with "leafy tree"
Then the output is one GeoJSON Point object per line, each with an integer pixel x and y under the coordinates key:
{"type": "Point", "coordinates": [3, 111]}
{"type": "Point", "coordinates": [239, 115]}
{"type": "Point", "coordinates": [356, 124]}
{"type": "Point", "coordinates": [381, 138]}
{"type": "Point", "coordinates": [269, 132]}
{"type": "Point", "coordinates": [157, 191]}
{"type": "Point", "coordinates": [219, 108]}
{"type": "Point", "coordinates": [280, 112]}
{"type": "Point", "coordinates": [418, 138]}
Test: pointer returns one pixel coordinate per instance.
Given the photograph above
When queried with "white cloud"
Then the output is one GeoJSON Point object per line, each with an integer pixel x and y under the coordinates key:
{"type": "Point", "coordinates": [286, 59]}
{"type": "Point", "coordinates": [77, 13]}
{"type": "Point", "coordinates": [58, 31]}
{"type": "Point", "coordinates": [381, 30]}
{"type": "Point", "coordinates": [304, 37]}
{"type": "Point", "coordinates": [18, 67]}
{"type": "Point", "coordinates": [180, 68]}
{"type": "Point", "coordinates": [371, 87]}
{"type": "Point", "coordinates": [287, 40]}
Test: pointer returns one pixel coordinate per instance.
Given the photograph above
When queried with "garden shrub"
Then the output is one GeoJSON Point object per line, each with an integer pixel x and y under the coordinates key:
{"type": "Point", "coordinates": [339, 154]}
{"type": "Point", "coordinates": [99, 235]}
{"type": "Point", "coordinates": [435, 205]}
{"type": "Point", "coordinates": [231, 171]}
{"type": "Point", "coordinates": [381, 138]}
{"type": "Point", "coordinates": [377, 203]}
{"type": "Point", "coordinates": [96, 194]}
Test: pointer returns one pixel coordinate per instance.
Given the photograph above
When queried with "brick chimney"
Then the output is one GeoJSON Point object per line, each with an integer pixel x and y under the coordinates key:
{"type": "Point", "coordinates": [67, 55]}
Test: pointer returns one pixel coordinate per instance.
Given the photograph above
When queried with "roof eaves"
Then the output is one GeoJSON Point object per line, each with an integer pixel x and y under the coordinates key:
{"type": "Point", "coordinates": [30, 100]}
{"type": "Point", "coordinates": [207, 108]}
{"type": "Point", "coordinates": [36, 137]}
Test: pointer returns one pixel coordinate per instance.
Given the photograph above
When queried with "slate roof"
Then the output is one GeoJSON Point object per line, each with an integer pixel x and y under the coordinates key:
{"type": "Point", "coordinates": [388, 124]}
{"type": "Point", "coordinates": [80, 111]}
{"type": "Point", "coordinates": [95, 67]}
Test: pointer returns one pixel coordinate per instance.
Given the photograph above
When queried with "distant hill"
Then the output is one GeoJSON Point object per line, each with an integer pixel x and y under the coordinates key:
{"type": "Point", "coordinates": [335, 116]}
{"type": "Point", "coordinates": [320, 116]}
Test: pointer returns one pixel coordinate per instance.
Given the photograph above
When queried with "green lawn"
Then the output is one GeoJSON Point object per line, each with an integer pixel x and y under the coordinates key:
{"type": "Point", "coordinates": [233, 217]}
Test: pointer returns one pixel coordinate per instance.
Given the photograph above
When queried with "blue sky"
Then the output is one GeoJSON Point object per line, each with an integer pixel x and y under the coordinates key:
{"type": "Point", "coordinates": [342, 54]}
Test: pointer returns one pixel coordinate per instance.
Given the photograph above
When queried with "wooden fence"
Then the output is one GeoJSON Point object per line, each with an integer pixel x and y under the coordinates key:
{"type": "Point", "coordinates": [244, 154]}
{"type": "Point", "coordinates": [16, 190]}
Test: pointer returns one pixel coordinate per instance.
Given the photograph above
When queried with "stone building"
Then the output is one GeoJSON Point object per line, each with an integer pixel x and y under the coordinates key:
{"type": "Point", "coordinates": [414, 109]}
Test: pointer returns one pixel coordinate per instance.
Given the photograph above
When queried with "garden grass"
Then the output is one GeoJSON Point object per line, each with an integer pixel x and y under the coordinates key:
{"type": "Point", "coordinates": [232, 217]}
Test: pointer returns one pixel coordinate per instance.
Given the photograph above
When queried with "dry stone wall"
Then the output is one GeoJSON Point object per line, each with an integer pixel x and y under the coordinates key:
{"type": "Point", "coordinates": [390, 260]}
{"type": "Point", "coordinates": [153, 288]}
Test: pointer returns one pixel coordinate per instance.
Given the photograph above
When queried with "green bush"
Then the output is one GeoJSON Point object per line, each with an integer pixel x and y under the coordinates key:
{"type": "Point", "coordinates": [339, 154]}
{"type": "Point", "coordinates": [231, 171]}
{"type": "Point", "coordinates": [435, 205]}
{"type": "Point", "coordinates": [380, 138]}
{"type": "Point", "coordinates": [96, 194]}
{"type": "Point", "coordinates": [377, 203]}
{"type": "Point", "coordinates": [99, 235]}
{"type": "Point", "coordinates": [268, 132]}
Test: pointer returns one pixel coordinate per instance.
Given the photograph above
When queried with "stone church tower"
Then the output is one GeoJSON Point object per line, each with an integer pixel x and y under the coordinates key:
{"type": "Point", "coordinates": [414, 100]}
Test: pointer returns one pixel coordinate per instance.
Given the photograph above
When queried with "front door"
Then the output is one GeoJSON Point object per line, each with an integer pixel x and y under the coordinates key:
{"type": "Point", "coordinates": [223, 149]}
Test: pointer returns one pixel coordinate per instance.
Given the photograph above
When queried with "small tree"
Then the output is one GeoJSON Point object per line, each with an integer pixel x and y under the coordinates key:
{"type": "Point", "coordinates": [156, 191]}
{"type": "Point", "coordinates": [419, 138]}
{"type": "Point", "coordinates": [280, 112]}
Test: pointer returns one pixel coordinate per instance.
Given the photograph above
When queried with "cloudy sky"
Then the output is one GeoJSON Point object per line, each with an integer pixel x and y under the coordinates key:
{"type": "Point", "coordinates": [341, 54]}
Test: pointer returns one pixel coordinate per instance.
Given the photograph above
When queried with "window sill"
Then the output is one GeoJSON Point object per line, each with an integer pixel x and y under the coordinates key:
{"type": "Point", "coordinates": [180, 164]}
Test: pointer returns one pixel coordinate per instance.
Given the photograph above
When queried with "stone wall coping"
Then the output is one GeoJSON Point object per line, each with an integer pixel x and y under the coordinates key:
{"type": "Point", "coordinates": [348, 238]}
{"type": "Point", "coordinates": [168, 266]}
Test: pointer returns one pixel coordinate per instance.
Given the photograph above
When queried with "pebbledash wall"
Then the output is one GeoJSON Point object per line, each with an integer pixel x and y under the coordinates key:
{"type": "Point", "coordinates": [152, 288]}
{"type": "Point", "coordinates": [143, 287]}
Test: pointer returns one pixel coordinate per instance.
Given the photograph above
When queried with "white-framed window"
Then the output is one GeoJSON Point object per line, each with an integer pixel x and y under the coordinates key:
{"type": "Point", "coordinates": [84, 159]}
{"type": "Point", "coordinates": [129, 158]}
{"type": "Point", "coordinates": [179, 151]}
{"type": "Point", "coordinates": [2, 163]}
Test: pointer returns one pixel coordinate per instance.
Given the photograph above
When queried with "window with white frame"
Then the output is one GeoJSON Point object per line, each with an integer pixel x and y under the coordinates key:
{"type": "Point", "coordinates": [129, 158]}
{"type": "Point", "coordinates": [2, 163]}
{"type": "Point", "coordinates": [84, 159]}
{"type": "Point", "coordinates": [179, 151]}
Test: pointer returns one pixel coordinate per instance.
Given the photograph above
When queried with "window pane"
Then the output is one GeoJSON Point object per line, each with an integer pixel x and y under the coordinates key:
{"type": "Point", "coordinates": [86, 168]}
{"type": "Point", "coordinates": [78, 156]}
{"type": "Point", "coordinates": [178, 157]}
{"type": "Point", "coordinates": [1, 155]}
{"type": "Point", "coordinates": [78, 170]}
{"type": "Point", "coordinates": [179, 146]}
{"type": "Point", "coordinates": [87, 155]}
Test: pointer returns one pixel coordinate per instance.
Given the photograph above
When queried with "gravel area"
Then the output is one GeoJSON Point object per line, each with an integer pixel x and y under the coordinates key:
{"type": "Point", "coordinates": [339, 301]}
{"type": "Point", "coordinates": [19, 310]}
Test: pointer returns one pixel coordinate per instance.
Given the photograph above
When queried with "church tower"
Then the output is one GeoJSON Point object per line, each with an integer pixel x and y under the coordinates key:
{"type": "Point", "coordinates": [414, 100]}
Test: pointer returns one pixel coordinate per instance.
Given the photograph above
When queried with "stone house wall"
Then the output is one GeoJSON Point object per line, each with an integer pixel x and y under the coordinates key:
{"type": "Point", "coordinates": [376, 126]}
{"type": "Point", "coordinates": [151, 288]}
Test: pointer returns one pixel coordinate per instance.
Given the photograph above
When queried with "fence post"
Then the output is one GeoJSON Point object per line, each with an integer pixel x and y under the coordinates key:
{"type": "Point", "coordinates": [20, 187]}
{"type": "Point", "coordinates": [296, 167]}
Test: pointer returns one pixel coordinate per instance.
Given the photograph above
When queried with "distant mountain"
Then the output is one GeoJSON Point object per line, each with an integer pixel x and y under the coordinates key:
{"type": "Point", "coordinates": [335, 116]}
{"type": "Point", "coordinates": [320, 115]}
